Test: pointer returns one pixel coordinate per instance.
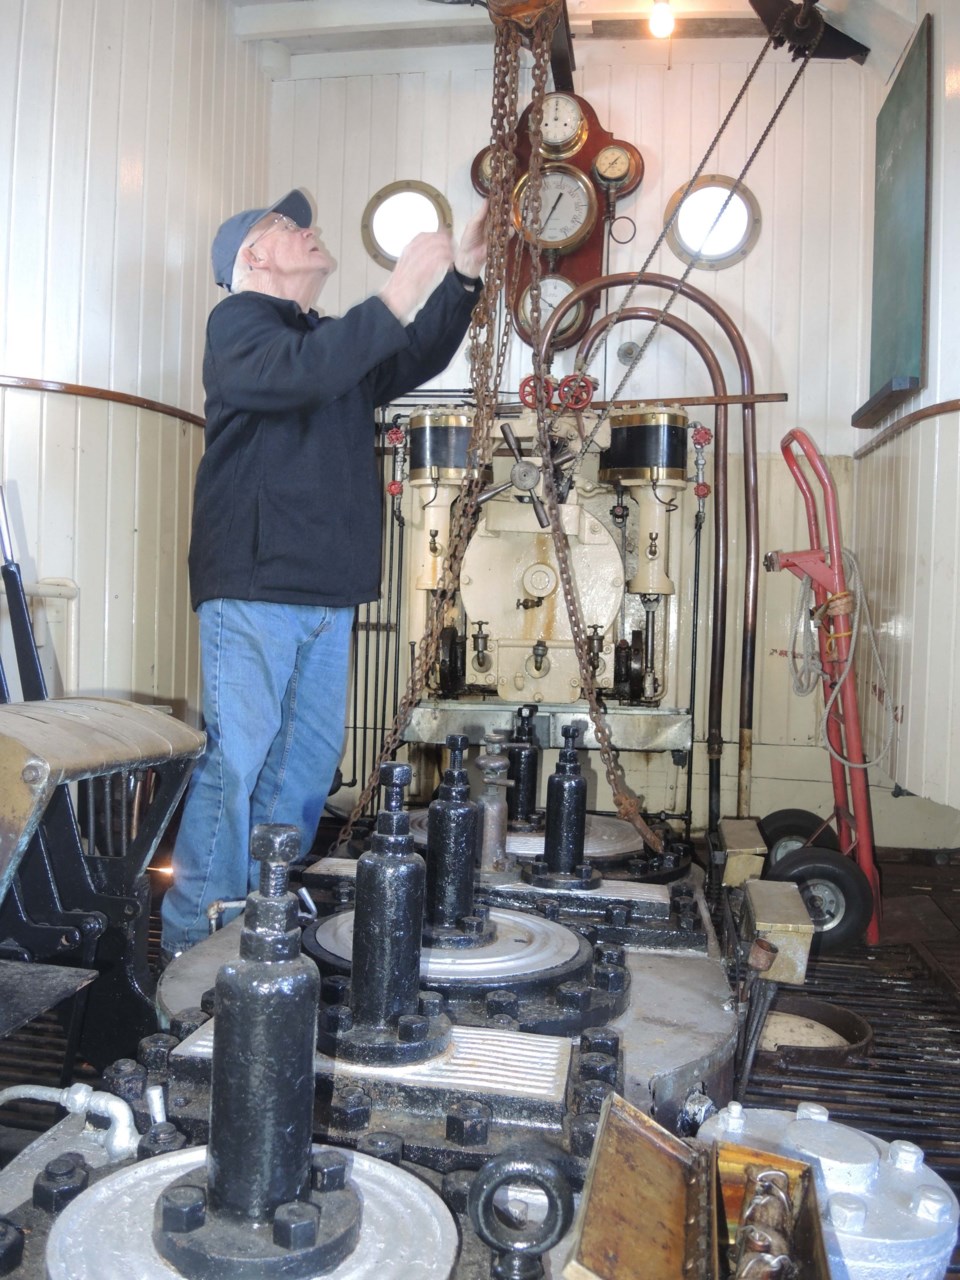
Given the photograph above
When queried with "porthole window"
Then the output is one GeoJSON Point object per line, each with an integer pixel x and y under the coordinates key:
{"type": "Point", "coordinates": [397, 213]}
{"type": "Point", "coordinates": [693, 237]}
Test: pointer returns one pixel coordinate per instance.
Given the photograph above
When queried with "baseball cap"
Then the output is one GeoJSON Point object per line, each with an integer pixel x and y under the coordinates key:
{"type": "Point", "coordinates": [227, 241]}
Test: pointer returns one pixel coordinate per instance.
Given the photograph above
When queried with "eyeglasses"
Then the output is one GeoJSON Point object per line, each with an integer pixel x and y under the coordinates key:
{"type": "Point", "coordinates": [280, 222]}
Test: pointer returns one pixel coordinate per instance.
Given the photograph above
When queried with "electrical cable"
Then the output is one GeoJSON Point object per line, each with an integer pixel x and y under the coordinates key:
{"type": "Point", "coordinates": [807, 674]}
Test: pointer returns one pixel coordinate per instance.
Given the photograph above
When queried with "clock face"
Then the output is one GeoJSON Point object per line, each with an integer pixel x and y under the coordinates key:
{"type": "Point", "coordinates": [553, 290]}
{"type": "Point", "coordinates": [568, 208]}
{"type": "Point", "coordinates": [564, 128]}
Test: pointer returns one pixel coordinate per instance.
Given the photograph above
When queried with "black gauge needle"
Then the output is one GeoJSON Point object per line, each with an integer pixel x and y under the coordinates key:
{"type": "Point", "coordinates": [553, 210]}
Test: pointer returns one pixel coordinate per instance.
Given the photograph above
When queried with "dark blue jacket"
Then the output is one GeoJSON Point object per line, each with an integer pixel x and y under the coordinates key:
{"type": "Point", "coordinates": [287, 505]}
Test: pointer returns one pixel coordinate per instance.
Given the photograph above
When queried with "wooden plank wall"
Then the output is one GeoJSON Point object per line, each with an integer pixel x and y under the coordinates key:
{"type": "Point", "coordinates": [128, 130]}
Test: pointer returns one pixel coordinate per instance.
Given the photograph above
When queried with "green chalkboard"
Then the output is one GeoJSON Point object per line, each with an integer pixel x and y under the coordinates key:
{"type": "Point", "coordinates": [898, 334]}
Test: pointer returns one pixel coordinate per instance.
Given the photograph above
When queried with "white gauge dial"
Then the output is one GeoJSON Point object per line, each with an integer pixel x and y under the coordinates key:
{"type": "Point", "coordinates": [564, 128]}
{"type": "Point", "coordinates": [568, 208]}
{"type": "Point", "coordinates": [553, 290]}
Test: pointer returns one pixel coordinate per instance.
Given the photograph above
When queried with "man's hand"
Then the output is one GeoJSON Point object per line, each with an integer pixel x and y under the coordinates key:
{"type": "Point", "coordinates": [419, 268]}
{"type": "Point", "coordinates": [472, 250]}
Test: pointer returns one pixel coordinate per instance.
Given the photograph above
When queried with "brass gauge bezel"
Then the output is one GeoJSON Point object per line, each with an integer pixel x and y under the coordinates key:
{"type": "Point", "coordinates": [566, 146]}
{"type": "Point", "coordinates": [406, 186]}
{"type": "Point", "coordinates": [562, 244]}
{"type": "Point", "coordinates": [630, 174]}
{"type": "Point", "coordinates": [571, 319]}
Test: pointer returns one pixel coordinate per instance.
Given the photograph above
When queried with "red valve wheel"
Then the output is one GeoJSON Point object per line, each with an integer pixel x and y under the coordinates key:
{"type": "Point", "coordinates": [395, 436]}
{"type": "Point", "coordinates": [395, 488]}
{"type": "Point", "coordinates": [528, 391]}
{"type": "Point", "coordinates": [702, 436]}
{"type": "Point", "coordinates": [575, 391]}
{"type": "Point", "coordinates": [701, 490]}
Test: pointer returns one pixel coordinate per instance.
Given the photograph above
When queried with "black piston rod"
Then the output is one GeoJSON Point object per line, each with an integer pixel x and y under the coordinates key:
{"type": "Point", "coordinates": [566, 816]}
{"type": "Point", "coordinates": [449, 917]}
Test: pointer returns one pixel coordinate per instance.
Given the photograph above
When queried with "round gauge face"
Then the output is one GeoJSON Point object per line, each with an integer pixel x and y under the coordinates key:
{"type": "Point", "coordinates": [483, 170]}
{"type": "Point", "coordinates": [553, 290]}
{"type": "Point", "coordinates": [612, 165]}
{"type": "Point", "coordinates": [564, 127]}
{"type": "Point", "coordinates": [568, 208]}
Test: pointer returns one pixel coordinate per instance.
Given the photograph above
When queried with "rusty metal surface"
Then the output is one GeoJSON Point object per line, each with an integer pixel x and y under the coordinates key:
{"type": "Point", "coordinates": [647, 1207]}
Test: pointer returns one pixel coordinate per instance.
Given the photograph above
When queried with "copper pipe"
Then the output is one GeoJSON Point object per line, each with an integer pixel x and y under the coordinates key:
{"type": "Point", "coordinates": [752, 567]}
{"type": "Point", "coordinates": [718, 630]}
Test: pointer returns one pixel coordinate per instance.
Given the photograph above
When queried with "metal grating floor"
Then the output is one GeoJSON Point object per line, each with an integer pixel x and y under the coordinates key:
{"type": "Point", "coordinates": [909, 1085]}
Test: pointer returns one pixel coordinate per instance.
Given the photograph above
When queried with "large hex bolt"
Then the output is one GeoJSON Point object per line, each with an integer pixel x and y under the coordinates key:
{"type": "Point", "coordinates": [159, 1140]}
{"type": "Point", "coordinates": [328, 1169]}
{"type": "Point", "coordinates": [183, 1208]}
{"type": "Point", "coordinates": [468, 1123]}
{"type": "Point", "coordinates": [11, 1247]}
{"type": "Point", "coordinates": [61, 1181]}
{"type": "Point", "coordinates": [350, 1109]}
{"type": "Point", "coordinates": [153, 1052]}
{"type": "Point", "coordinates": [296, 1225]}
{"type": "Point", "coordinates": [598, 1066]}
{"type": "Point", "coordinates": [125, 1078]}
{"type": "Point", "coordinates": [187, 1021]}
{"type": "Point", "coordinates": [583, 1133]}
{"type": "Point", "coordinates": [382, 1145]}
{"type": "Point", "coordinates": [600, 1040]}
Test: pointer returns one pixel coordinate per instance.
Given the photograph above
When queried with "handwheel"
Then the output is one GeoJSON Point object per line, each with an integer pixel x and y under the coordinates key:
{"type": "Point", "coordinates": [787, 830]}
{"type": "Point", "coordinates": [835, 891]}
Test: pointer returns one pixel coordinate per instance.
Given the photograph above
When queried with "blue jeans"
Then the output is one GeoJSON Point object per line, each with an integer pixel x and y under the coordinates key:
{"type": "Point", "coordinates": [274, 703]}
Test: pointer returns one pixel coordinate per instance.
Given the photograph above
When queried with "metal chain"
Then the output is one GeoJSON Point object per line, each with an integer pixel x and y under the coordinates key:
{"type": "Point", "coordinates": [486, 368]}
{"type": "Point", "coordinates": [583, 367]}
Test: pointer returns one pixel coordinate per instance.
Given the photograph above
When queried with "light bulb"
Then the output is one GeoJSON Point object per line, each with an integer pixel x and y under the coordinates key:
{"type": "Point", "coordinates": [661, 19]}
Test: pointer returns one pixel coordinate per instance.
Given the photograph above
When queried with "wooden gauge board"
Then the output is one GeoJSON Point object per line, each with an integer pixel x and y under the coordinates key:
{"type": "Point", "coordinates": [585, 171]}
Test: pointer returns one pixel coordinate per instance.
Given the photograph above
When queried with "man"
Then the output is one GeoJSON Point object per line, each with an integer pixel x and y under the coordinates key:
{"type": "Point", "coordinates": [286, 521]}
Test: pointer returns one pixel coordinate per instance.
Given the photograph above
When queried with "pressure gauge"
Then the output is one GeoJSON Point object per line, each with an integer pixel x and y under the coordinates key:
{"type": "Point", "coordinates": [568, 208]}
{"type": "Point", "coordinates": [553, 290]}
{"type": "Point", "coordinates": [564, 127]}
{"type": "Point", "coordinates": [615, 166]}
{"type": "Point", "coordinates": [481, 171]}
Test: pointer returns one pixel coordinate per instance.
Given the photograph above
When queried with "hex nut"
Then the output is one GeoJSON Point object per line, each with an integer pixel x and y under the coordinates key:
{"type": "Point", "coordinates": [296, 1225]}
{"type": "Point", "coordinates": [847, 1212]}
{"type": "Point", "coordinates": [573, 995]}
{"type": "Point", "coordinates": [328, 1170]}
{"type": "Point", "coordinates": [159, 1140]}
{"type": "Point", "coordinates": [187, 1021]}
{"type": "Point", "coordinates": [609, 953]}
{"type": "Point", "coordinates": [931, 1203]}
{"type": "Point", "coordinates": [350, 1109]}
{"type": "Point", "coordinates": [598, 1066]}
{"type": "Point", "coordinates": [430, 1004]}
{"type": "Point", "coordinates": [609, 977]}
{"type": "Point", "coordinates": [334, 988]}
{"type": "Point", "coordinates": [468, 1123]}
{"type": "Point", "coordinates": [472, 925]}
{"type": "Point", "coordinates": [906, 1156]}
{"type": "Point", "coordinates": [336, 1017]}
{"type": "Point", "coordinates": [617, 916]}
{"type": "Point", "coordinates": [812, 1111]}
{"type": "Point", "coordinates": [382, 1145]}
{"type": "Point", "coordinates": [412, 1028]}
{"type": "Point", "coordinates": [153, 1052]}
{"type": "Point", "coordinates": [11, 1246]}
{"type": "Point", "coordinates": [583, 1133]}
{"type": "Point", "coordinates": [600, 1040]}
{"type": "Point", "coordinates": [61, 1181]}
{"type": "Point", "coordinates": [126, 1079]}
{"type": "Point", "coordinates": [589, 1095]}
{"type": "Point", "coordinates": [502, 1002]}
{"type": "Point", "coordinates": [183, 1208]}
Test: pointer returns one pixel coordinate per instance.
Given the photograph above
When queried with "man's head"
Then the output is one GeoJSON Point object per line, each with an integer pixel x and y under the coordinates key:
{"type": "Point", "coordinates": [272, 250]}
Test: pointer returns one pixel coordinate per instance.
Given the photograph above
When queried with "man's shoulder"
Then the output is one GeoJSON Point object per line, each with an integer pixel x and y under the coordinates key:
{"type": "Point", "coordinates": [237, 311]}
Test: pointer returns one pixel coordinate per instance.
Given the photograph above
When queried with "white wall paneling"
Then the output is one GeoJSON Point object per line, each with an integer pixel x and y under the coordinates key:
{"type": "Point", "coordinates": [129, 129]}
